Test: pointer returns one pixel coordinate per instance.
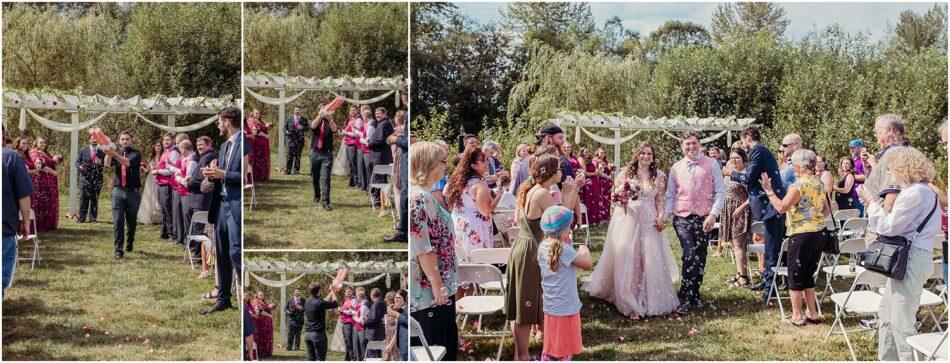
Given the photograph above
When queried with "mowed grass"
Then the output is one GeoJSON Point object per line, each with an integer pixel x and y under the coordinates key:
{"type": "Point", "coordinates": [78, 289]}
{"type": "Point", "coordinates": [300, 355]}
{"type": "Point", "coordinates": [286, 217]}
{"type": "Point", "coordinates": [735, 326]}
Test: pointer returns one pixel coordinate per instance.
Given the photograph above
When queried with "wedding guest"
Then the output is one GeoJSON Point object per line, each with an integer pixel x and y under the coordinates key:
{"type": "Point", "coordinates": [400, 140]}
{"type": "Point", "coordinates": [347, 312]}
{"type": "Point", "coordinates": [695, 194]}
{"type": "Point", "coordinates": [521, 154]}
{"type": "Point", "coordinates": [256, 131]}
{"type": "Point", "coordinates": [23, 150]}
{"type": "Point", "coordinates": [472, 204]}
{"type": "Point", "coordinates": [716, 154]}
{"type": "Point", "coordinates": [225, 207]}
{"type": "Point", "coordinates": [295, 127]}
{"type": "Point", "coordinates": [89, 166]}
{"type": "Point", "coordinates": [373, 323]}
{"type": "Point", "coordinates": [402, 320]}
{"type": "Point", "coordinates": [264, 326]}
{"type": "Point", "coordinates": [736, 221]}
{"type": "Point", "coordinates": [183, 170]}
{"type": "Point", "coordinates": [562, 306]}
{"type": "Point", "coordinates": [523, 295]}
{"type": "Point", "coordinates": [492, 151]}
{"type": "Point", "coordinates": [125, 192]}
{"type": "Point", "coordinates": [390, 321]}
{"type": "Point", "coordinates": [433, 265]}
{"type": "Point", "coordinates": [294, 311]}
{"type": "Point", "coordinates": [761, 161]}
{"type": "Point", "coordinates": [889, 132]}
{"type": "Point", "coordinates": [572, 159]}
{"type": "Point", "coordinates": [440, 184]}
{"type": "Point", "coordinates": [200, 188]}
{"type": "Point", "coordinates": [399, 129]}
{"type": "Point", "coordinates": [368, 125]}
{"type": "Point", "coordinates": [598, 186]}
{"type": "Point", "coordinates": [790, 143]}
{"type": "Point", "coordinates": [47, 191]}
{"type": "Point", "coordinates": [17, 190]}
{"type": "Point", "coordinates": [805, 207]}
{"type": "Point", "coordinates": [380, 152]}
{"type": "Point", "coordinates": [844, 190]}
{"type": "Point", "coordinates": [315, 310]}
{"type": "Point", "coordinates": [248, 332]}
{"type": "Point", "coordinates": [359, 316]}
{"type": "Point", "coordinates": [322, 131]}
{"type": "Point", "coordinates": [467, 141]}
{"type": "Point", "coordinates": [914, 208]}
{"type": "Point", "coordinates": [163, 180]}
{"type": "Point", "coordinates": [351, 138]}
{"type": "Point", "coordinates": [175, 167]}
{"type": "Point", "coordinates": [855, 147]}
{"type": "Point", "coordinates": [824, 176]}
{"type": "Point", "coordinates": [150, 209]}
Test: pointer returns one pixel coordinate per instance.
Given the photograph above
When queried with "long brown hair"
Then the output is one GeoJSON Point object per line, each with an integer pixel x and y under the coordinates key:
{"type": "Point", "coordinates": [554, 253]}
{"type": "Point", "coordinates": [540, 168]}
{"type": "Point", "coordinates": [461, 175]}
{"type": "Point", "coordinates": [633, 165]}
{"type": "Point", "coordinates": [16, 147]}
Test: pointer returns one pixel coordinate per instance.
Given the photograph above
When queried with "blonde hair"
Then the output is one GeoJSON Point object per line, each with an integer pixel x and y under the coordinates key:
{"type": "Point", "coordinates": [424, 156]}
{"type": "Point", "coordinates": [909, 165]}
{"type": "Point", "coordinates": [554, 253]}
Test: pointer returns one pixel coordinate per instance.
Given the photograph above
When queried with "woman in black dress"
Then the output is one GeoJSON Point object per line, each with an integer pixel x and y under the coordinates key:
{"type": "Point", "coordinates": [844, 190]}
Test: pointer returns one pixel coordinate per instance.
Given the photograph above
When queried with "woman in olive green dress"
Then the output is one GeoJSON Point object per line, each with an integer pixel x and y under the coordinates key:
{"type": "Point", "coordinates": [523, 295]}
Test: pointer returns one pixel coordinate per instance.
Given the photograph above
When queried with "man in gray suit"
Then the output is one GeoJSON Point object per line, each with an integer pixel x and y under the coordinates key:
{"type": "Point", "coordinates": [380, 152]}
{"type": "Point", "coordinates": [296, 127]}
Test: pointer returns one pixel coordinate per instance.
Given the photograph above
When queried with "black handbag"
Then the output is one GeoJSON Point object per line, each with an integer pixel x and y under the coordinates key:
{"type": "Point", "coordinates": [887, 255]}
{"type": "Point", "coordinates": [829, 239]}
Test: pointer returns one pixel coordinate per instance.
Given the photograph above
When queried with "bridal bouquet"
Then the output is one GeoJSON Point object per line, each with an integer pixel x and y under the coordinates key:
{"type": "Point", "coordinates": [624, 193]}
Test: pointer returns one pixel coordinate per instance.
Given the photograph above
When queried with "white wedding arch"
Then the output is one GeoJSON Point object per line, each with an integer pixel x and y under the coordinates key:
{"type": "Point", "coordinates": [369, 271]}
{"type": "Point", "coordinates": [581, 122]}
{"type": "Point", "coordinates": [298, 85]}
{"type": "Point", "coordinates": [100, 106]}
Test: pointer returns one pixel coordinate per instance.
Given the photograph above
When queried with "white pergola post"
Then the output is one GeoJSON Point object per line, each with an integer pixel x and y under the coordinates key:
{"type": "Point", "coordinates": [171, 120]}
{"type": "Point", "coordinates": [73, 173]}
{"type": "Point", "coordinates": [283, 306]}
{"type": "Point", "coordinates": [728, 139]}
{"type": "Point", "coordinates": [616, 147]}
{"type": "Point", "coordinates": [282, 150]}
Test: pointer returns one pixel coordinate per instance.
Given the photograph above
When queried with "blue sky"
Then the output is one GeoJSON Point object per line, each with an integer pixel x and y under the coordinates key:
{"type": "Point", "coordinates": [871, 18]}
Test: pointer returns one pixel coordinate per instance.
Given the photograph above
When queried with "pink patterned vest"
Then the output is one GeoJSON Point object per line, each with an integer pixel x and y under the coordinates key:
{"type": "Point", "coordinates": [162, 162]}
{"type": "Point", "coordinates": [181, 165]}
{"type": "Point", "coordinates": [695, 191]}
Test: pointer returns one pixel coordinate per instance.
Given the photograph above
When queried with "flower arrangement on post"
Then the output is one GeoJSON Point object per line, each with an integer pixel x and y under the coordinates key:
{"type": "Point", "coordinates": [625, 192]}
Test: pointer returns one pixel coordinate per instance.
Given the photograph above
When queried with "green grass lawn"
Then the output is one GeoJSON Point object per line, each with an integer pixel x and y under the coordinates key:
{"type": "Point", "coordinates": [78, 289]}
{"type": "Point", "coordinates": [735, 326]}
{"type": "Point", "coordinates": [286, 217]}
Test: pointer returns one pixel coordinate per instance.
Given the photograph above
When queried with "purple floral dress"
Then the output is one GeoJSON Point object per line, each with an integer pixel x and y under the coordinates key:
{"type": "Point", "coordinates": [472, 229]}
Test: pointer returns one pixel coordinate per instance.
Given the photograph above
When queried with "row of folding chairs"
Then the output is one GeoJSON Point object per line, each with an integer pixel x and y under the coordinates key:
{"type": "Point", "coordinates": [583, 230]}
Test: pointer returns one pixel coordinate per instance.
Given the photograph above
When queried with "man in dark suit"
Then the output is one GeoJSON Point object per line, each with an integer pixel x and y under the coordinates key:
{"type": "Point", "coordinates": [402, 142]}
{"type": "Point", "coordinates": [761, 160]}
{"type": "Point", "coordinates": [373, 323]}
{"type": "Point", "coordinates": [296, 127]}
{"type": "Point", "coordinates": [322, 130]}
{"type": "Point", "coordinates": [225, 206]}
{"type": "Point", "coordinates": [89, 165]}
{"type": "Point", "coordinates": [380, 152]}
{"type": "Point", "coordinates": [198, 200]}
{"type": "Point", "coordinates": [294, 311]}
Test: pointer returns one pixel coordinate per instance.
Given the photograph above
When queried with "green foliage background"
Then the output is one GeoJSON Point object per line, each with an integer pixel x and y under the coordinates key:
{"type": "Point", "coordinates": [127, 49]}
{"type": "Point", "coordinates": [827, 86]}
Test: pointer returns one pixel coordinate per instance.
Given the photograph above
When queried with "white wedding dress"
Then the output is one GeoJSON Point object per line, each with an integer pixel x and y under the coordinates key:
{"type": "Point", "coordinates": [636, 271]}
{"type": "Point", "coordinates": [150, 211]}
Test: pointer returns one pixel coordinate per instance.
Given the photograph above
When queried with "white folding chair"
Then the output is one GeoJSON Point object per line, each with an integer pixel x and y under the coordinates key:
{"type": "Point", "coordinates": [424, 352]}
{"type": "Point", "coordinates": [249, 186]}
{"type": "Point", "coordinates": [32, 234]}
{"type": "Point", "coordinates": [489, 256]}
{"type": "Point", "coordinates": [853, 228]}
{"type": "Point", "coordinates": [200, 217]}
{"type": "Point", "coordinates": [932, 345]}
{"type": "Point", "coordinates": [860, 303]}
{"type": "Point", "coordinates": [585, 227]}
{"type": "Point", "coordinates": [753, 249]}
{"type": "Point", "coordinates": [482, 304]}
{"type": "Point", "coordinates": [375, 345]}
{"type": "Point", "coordinates": [843, 215]}
{"type": "Point", "coordinates": [850, 248]}
{"type": "Point", "coordinates": [930, 300]}
{"type": "Point", "coordinates": [381, 170]}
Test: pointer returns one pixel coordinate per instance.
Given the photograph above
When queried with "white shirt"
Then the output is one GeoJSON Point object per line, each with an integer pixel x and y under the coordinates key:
{"type": "Point", "coordinates": [912, 205]}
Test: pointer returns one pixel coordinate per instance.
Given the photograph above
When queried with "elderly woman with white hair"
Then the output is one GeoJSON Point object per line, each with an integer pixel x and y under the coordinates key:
{"type": "Point", "coordinates": [805, 207]}
{"type": "Point", "coordinates": [915, 207]}
{"type": "Point", "coordinates": [492, 151]}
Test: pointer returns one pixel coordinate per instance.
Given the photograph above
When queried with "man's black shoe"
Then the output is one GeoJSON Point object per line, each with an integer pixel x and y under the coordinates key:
{"type": "Point", "coordinates": [327, 207]}
{"type": "Point", "coordinates": [128, 248]}
{"type": "Point", "coordinates": [218, 306]}
{"type": "Point", "coordinates": [396, 238]}
{"type": "Point", "coordinates": [118, 255]}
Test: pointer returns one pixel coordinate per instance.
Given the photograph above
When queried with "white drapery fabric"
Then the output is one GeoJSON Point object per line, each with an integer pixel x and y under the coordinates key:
{"type": "Point", "coordinates": [188, 128]}
{"type": "Point", "coordinates": [273, 283]}
{"type": "Point", "coordinates": [58, 126]}
{"type": "Point", "coordinates": [274, 101]}
{"type": "Point", "coordinates": [708, 139]}
{"type": "Point", "coordinates": [368, 101]}
{"type": "Point", "coordinates": [361, 283]}
{"type": "Point", "coordinates": [601, 139]}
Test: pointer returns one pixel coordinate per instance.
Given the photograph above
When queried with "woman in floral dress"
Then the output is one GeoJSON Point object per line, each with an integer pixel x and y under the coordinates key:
{"type": "Point", "coordinates": [47, 189]}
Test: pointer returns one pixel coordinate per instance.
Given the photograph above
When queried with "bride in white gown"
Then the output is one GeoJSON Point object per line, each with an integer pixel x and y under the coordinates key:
{"type": "Point", "coordinates": [636, 270]}
{"type": "Point", "coordinates": [150, 211]}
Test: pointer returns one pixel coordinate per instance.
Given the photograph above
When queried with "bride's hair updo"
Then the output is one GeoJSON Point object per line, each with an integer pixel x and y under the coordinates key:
{"type": "Point", "coordinates": [540, 168]}
{"type": "Point", "coordinates": [633, 165]}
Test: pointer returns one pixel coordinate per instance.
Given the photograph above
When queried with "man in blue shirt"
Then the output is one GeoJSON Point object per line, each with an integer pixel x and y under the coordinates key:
{"type": "Point", "coordinates": [17, 190]}
{"type": "Point", "coordinates": [790, 144]}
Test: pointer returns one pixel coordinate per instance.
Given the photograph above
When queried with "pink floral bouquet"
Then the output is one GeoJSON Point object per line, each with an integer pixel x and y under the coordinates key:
{"type": "Point", "coordinates": [624, 193]}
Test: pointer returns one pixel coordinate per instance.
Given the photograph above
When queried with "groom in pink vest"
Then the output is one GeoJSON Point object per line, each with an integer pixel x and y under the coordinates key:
{"type": "Point", "coordinates": [695, 195]}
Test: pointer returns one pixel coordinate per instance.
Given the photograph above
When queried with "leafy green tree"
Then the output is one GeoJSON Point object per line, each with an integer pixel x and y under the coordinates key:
{"type": "Point", "coordinates": [675, 33]}
{"type": "Point", "coordinates": [736, 20]}
{"type": "Point", "coordinates": [915, 32]}
{"type": "Point", "coordinates": [560, 25]}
